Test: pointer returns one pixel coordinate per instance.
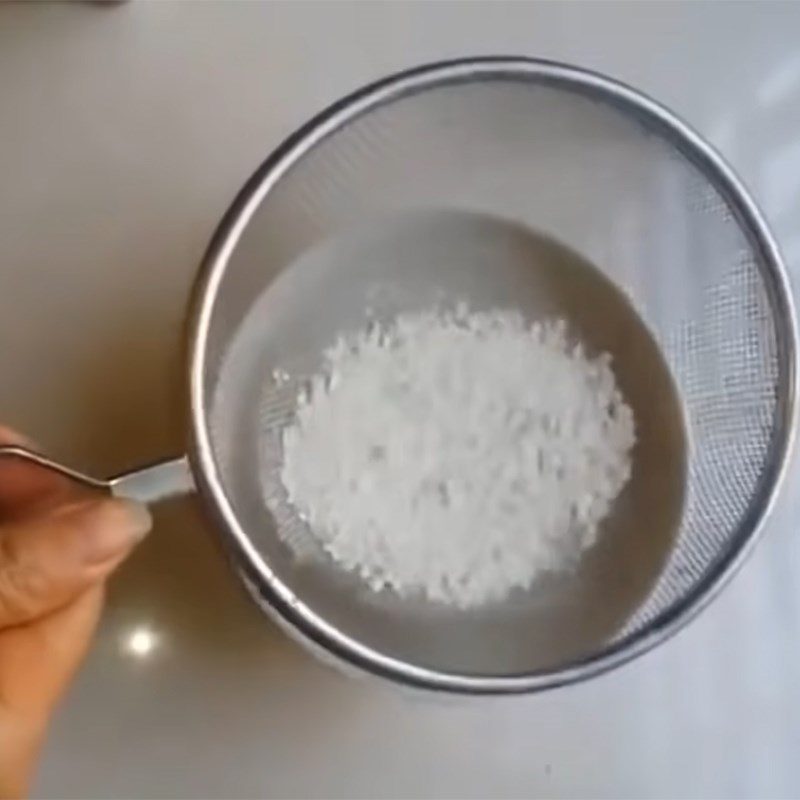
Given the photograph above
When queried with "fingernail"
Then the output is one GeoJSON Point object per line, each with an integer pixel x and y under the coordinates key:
{"type": "Point", "coordinates": [141, 521]}
{"type": "Point", "coordinates": [112, 526]}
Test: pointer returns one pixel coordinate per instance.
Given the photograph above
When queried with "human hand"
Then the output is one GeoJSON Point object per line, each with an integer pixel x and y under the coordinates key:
{"type": "Point", "coordinates": [58, 544]}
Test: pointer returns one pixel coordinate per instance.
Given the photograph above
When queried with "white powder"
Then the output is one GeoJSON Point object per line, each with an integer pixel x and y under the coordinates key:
{"type": "Point", "coordinates": [458, 455]}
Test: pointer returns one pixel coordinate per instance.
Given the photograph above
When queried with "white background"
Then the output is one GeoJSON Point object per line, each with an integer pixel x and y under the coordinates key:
{"type": "Point", "coordinates": [125, 129]}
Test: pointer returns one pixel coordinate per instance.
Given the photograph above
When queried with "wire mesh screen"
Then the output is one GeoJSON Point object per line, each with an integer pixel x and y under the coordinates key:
{"type": "Point", "coordinates": [604, 181]}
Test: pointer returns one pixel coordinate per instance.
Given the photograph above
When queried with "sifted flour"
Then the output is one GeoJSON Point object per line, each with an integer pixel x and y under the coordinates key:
{"type": "Point", "coordinates": [458, 454]}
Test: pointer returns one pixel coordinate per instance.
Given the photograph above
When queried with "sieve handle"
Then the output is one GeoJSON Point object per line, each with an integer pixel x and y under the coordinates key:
{"type": "Point", "coordinates": [160, 481]}
{"type": "Point", "coordinates": [169, 478]}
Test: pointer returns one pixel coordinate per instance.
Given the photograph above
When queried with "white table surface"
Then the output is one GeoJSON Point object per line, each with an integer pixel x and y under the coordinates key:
{"type": "Point", "coordinates": [124, 132]}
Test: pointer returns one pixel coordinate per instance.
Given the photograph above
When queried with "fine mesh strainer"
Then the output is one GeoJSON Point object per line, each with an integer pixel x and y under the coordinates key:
{"type": "Point", "coordinates": [503, 182]}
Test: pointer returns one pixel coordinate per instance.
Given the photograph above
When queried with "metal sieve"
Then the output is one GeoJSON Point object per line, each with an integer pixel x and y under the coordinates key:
{"type": "Point", "coordinates": [460, 180]}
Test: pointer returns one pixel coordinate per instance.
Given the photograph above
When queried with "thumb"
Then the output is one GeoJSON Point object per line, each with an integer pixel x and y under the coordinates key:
{"type": "Point", "coordinates": [48, 559]}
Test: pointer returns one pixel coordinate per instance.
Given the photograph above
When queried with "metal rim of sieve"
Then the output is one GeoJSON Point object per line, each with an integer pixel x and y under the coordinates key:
{"type": "Point", "coordinates": [289, 610]}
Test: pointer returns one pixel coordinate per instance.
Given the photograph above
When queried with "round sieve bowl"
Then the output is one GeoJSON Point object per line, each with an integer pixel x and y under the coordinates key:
{"type": "Point", "coordinates": [500, 182]}
{"type": "Point", "coordinates": [522, 154]}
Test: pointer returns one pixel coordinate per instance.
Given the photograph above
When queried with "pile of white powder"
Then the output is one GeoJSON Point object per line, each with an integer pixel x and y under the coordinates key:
{"type": "Point", "coordinates": [458, 455]}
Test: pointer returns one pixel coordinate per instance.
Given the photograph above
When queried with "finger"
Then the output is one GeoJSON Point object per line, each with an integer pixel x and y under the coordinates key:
{"type": "Point", "coordinates": [25, 486]}
{"type": "Point", "coordinates": [10, 436]}
{"type": "Point", "coordinates": [49, 559]}
{"type": "Point", "coordinates": [38, 660]}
